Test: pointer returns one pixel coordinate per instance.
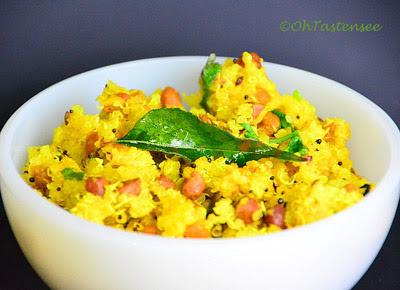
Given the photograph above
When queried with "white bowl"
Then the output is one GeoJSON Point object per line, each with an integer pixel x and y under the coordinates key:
{"type": "Point", "coordinates": [71, 253]}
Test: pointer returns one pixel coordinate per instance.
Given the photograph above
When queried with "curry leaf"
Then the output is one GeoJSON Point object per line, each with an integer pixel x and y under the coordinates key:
{"type": "Point", "coordinates": [70, 174]}
{"type": "Point", "coordinates": [174, 131]}
{"type": "Point", "coordinates": [209, 73]}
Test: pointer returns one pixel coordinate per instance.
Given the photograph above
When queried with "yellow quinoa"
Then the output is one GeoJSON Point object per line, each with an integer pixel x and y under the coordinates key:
{"type": "Point", "coordinates": [84, 171]}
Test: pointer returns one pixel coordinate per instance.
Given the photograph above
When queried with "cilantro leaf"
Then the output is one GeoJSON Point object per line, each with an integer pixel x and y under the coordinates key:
{"type": "Point", "coordinates": [249, 131]}
{"type": "Point", "coordinates": [209, 73]}
{"type": "Point", "coordinates": [296, 145]}
{"type": "Point", "coordinates": [297, 95]}
{"type": "Point", "coordinates": [282, 118]}
{"type": "Point", "coordinates": [284, 138]}
{"type": "Point", "coordinates": [70, 174]}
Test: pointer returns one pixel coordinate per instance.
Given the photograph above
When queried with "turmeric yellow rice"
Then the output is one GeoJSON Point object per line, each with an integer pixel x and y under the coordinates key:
{"type": "Point", "coordinates": [87, 173]}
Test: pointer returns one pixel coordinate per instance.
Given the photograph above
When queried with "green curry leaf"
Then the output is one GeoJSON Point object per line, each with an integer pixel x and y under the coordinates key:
{"type": "Point", "coordinates": [70, 174]}
{"type": "Point", "coordinates": [209, 73]}
{"type": "Point", "coordinates": [174, 131]}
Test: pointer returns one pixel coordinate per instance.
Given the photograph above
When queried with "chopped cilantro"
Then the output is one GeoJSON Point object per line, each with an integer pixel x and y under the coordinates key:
{"type": "Point", "coordinates": [297, 95]}
{"type": "Point", "coordinates": [283, 119]}
{"type": "Point", "coordinates": [284, 138]}
{"type": "Point", "coordinates": [70, 174]}
{"type": "Point", "coordinates": [208, 74]}
{"type": "Point", "coordinates": [295, 143]}
{"type": "Point", "coordinates": [249, 131]}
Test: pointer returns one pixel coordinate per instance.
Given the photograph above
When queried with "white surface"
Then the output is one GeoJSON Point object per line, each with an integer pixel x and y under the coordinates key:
{"type": "Point", "coordinates": [71, 253]}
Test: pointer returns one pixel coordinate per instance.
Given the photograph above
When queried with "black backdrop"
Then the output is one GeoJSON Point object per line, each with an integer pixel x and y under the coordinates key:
{"type": "Point", "coordinates": [43, 42]}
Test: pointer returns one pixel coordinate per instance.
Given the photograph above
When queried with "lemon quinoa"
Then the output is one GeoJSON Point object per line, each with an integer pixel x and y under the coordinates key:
{"type": "Point", "coordinates": [85, 172]}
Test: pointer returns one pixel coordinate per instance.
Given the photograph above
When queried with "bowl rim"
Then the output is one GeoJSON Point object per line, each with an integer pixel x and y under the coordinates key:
{"type": "Point", "coordinates": [11, 174]}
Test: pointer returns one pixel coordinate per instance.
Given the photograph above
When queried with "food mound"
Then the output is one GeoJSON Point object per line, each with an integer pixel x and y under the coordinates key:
{"type": "Point", "coordinates": [145, 164]}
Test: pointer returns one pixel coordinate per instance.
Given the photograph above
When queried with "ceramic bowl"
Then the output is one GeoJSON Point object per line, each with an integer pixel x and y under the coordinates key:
{"type": "Point", "coordinates": [71, 253]}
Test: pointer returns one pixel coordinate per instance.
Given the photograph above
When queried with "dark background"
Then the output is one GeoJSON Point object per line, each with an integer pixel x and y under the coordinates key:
{"type": "Point", "coordinates": [43, 42]}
